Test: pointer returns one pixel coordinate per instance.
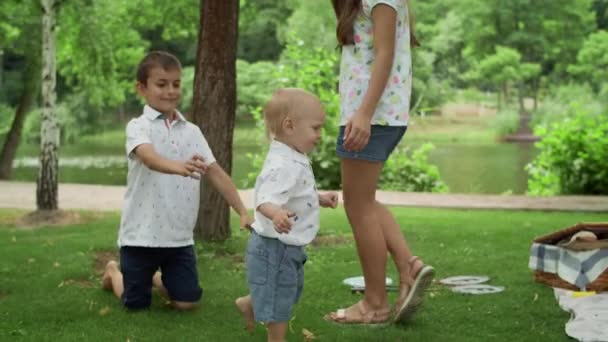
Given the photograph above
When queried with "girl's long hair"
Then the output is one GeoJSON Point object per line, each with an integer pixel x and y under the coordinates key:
{"type": "Point", "coordinates": [346, 13]}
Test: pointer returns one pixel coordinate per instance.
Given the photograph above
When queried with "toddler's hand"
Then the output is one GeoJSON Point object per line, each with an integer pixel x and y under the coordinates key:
{"type": "Point", "coordinates": [282, 221]}
{"type": "Point", "coordinates": [199, 161]}
{"type": "Point", "coordinates": [191, 168]}
{"type": "Point", "coordinates": [328, 200]}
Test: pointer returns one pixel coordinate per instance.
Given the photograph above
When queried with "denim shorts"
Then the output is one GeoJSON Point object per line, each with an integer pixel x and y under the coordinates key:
{"type": "Point", "coordinates": [275, 275]}
{"type": "Point", "coordinates": [382, 142]}
{"type": "Point", "coordinates": [179, 275]}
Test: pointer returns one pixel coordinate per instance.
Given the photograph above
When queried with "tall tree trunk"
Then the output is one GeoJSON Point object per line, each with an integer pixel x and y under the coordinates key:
{"type": "Point", "coordinates": [1, 67]}
{"type": "Point", "coordinates": [46, 191]}
{"type": "Point", "coordinates": [535, 86]}
{"type": "Point", "coordinates": [214, 105]}
{"type": "Point", "coordinates": [520, 97]}
{"type": "Point", "coordinates": [31, 83]}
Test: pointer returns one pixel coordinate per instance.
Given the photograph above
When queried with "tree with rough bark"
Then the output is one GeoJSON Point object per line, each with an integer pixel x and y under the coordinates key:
{"type": "Point", "coordinates": [46, 187]}
{"type": "Point", "coordinates": [214, 105]}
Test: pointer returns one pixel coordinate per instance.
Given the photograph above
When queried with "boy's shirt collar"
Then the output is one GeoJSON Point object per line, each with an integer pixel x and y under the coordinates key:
{"type": "Point", "coordinates": [285, 150]}
{"type": "Point", "coordinates": [153, 114]}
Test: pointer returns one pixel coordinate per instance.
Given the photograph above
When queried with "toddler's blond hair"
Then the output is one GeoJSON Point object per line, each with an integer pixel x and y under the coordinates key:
{"type": "Point", "coordinates": [285, 102]}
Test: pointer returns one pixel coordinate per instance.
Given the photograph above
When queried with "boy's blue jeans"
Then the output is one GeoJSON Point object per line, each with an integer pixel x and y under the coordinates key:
{"type": "Point", "coordinates": [178, 268]}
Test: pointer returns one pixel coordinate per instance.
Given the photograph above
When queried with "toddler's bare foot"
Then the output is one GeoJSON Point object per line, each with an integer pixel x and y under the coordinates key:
{"type": "Point", "coordinates": [243, 304]}
{"type": "Point", "coordinates": [106, 279]}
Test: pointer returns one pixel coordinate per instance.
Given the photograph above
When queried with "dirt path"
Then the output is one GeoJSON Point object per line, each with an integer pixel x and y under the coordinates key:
{"type": "Point", "coordinates": [109, 198]}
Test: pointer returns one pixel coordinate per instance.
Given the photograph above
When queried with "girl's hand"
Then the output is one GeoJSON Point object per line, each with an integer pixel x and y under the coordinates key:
{"type": "Point", "coordinates": [356, 132]}
{"type": "Point", "coordinates": [246, 221]}
{"type": "Point", "coordinates": [282, 221]}
{"type": "Point", "coordinates": [328, 200]}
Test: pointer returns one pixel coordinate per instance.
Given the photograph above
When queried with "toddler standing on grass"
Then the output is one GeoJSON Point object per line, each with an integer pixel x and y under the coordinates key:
{"type": "Point", "coordinates": [286, 205]}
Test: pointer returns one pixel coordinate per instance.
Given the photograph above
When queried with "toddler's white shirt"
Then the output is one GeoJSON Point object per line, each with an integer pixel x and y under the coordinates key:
{"type": "Point", "coordinates": [287, 180]}
{"type": "Point", "coordinates": [160, 210]}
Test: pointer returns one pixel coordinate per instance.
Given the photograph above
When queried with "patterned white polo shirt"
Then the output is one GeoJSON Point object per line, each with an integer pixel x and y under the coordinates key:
{"type": "Point", "coordinates": [160, 210]}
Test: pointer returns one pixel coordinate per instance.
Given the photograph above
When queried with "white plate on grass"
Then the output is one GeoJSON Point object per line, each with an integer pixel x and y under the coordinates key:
{"type": "Point", "coordinates": [464, 280]}
{"type": "Point", "coordinates": [359, 282]}
{"type": "Point", "coordinates": [478, 289]}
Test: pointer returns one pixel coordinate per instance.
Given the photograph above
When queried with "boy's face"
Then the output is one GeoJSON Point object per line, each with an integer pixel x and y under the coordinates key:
{"type": "Point", "coordinates": [162, 90]}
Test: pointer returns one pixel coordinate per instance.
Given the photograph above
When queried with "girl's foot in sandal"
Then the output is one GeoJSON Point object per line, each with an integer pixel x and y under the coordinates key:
{"type": "Point", "coordinates": [358, 314]}
{"type": "Point", "coordinates": [411, 289]}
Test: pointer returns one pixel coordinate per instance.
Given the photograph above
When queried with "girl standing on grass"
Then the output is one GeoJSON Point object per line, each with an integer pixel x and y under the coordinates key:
{"type": "Point", "coordinates": [376, 37]}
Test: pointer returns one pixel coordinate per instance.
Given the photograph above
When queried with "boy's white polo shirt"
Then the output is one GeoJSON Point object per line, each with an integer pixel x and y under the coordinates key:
{"type": "Point", "coordinates": [287, 180]}
{"type": "Point", "coordinates": [160, 210]}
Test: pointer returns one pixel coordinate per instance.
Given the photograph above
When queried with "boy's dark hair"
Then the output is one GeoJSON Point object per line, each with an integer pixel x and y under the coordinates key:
{"type": "Point", "coordinates": [155, 59]}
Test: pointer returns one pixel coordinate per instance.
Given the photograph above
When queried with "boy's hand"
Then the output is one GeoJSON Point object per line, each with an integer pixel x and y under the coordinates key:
{"type": "Point", "coordinates": [282, 220]}
{"type": "Point", "coordinates": [246, 221]}
{"type": "Point", "coordinates": [328, 200]}
{"type": "Point", "coordinates": [193, 167]}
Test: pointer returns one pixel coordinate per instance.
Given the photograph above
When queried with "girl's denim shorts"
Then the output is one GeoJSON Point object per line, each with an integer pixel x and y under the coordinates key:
{"type": "Point", "coordinates": [382, 142]}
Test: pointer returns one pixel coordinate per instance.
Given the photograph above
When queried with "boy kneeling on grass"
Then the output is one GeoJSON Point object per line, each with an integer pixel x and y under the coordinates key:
{"type": "Point", "coordinates": [167, 155]}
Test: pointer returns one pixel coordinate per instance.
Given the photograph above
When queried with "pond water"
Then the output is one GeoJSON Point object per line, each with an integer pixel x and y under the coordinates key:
{"type": "Point", "coordinates": [492, 169]}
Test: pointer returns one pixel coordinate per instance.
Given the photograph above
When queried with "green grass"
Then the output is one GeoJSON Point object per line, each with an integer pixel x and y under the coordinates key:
{"type": "Point", "coordinates": [38, 302]}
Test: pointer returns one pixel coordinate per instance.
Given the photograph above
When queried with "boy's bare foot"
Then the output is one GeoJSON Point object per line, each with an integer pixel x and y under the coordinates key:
{"type": "Point", "coordinates": [157, 283]}
{"type": "Point", "coordinates": [106, 279]}
{"type": "Point", "coordinates": [243, 304]}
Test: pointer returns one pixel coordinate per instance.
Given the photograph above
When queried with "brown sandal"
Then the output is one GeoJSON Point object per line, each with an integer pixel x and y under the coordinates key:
{"type": "Point", "coordinates": [364, 316]}
{"type": "Point", "coordinates": [411, 291]}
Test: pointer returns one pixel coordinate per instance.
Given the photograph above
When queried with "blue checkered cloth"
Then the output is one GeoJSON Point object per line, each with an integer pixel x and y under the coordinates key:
{"type": "Point", "coordinates": [576, 267]}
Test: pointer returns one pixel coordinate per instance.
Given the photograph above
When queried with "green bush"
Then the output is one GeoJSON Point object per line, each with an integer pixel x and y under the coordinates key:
{"type": "Point", "coordinates": [573, 156]}
{"type": "Point", "coordinates": [555, 107]}
{"type": "Point", "coordinates": [255, 83]}
{"type": "Point", "coordinates": [412, 172]}
{"type": "Point", "coordinates": [506, 121]}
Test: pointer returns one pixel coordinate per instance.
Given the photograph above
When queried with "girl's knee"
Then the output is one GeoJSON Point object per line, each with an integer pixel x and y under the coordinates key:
{"type": "Point", "coordinates": [355, 204]}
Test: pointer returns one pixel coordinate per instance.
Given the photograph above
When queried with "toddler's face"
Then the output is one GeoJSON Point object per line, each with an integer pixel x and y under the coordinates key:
{"type": "Point", "coordinates": [162, 91]}
{"type": "Point", "coordinates": [307, 129]}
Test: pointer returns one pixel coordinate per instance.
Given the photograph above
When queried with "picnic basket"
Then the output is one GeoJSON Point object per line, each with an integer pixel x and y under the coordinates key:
{"type": "Point", "coordinates": [599, 284]}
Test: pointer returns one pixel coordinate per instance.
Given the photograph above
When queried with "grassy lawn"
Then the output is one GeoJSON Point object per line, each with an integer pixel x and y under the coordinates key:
{"type": "Point", "coordinates": [49, 287]}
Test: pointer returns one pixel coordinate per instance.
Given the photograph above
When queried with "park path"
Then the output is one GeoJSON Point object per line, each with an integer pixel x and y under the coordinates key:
{"type": "Point", "coordinates": [22, 195]}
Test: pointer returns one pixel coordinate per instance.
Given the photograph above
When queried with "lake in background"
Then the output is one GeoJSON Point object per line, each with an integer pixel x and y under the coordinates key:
{"type": "Point", "coordinates": [465, 168]}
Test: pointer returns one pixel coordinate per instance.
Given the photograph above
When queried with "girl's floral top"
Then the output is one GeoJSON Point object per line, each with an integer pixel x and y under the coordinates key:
{"type": "Point", "coordinates": [355, 69]}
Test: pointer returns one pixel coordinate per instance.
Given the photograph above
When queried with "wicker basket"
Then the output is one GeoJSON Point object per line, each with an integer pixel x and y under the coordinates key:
{"type": "Point", "coordinates": [553, 280]}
